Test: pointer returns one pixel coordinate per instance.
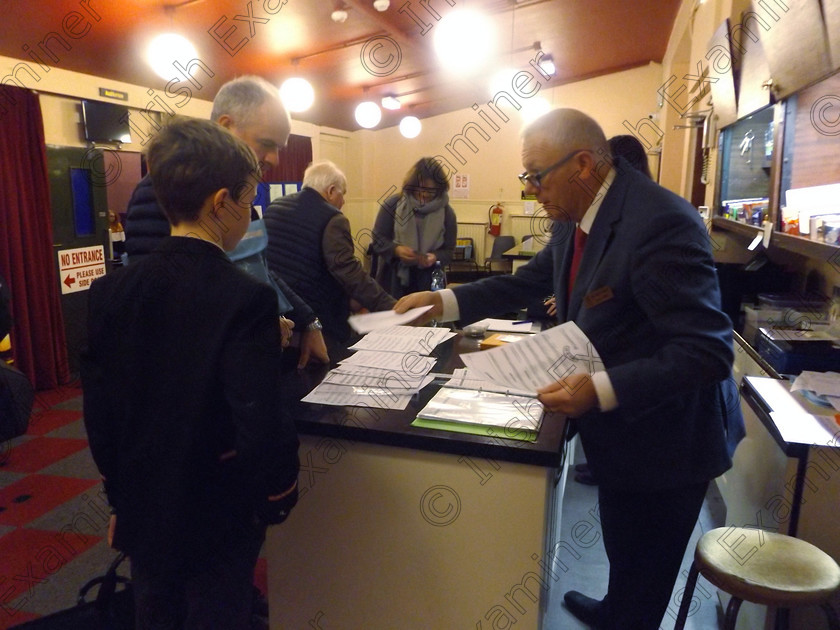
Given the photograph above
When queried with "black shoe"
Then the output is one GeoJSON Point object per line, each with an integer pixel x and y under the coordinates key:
{"type": "Point", "coordinates": [582, 468]}
{"type": "Point", "coordinates": [589, 611]}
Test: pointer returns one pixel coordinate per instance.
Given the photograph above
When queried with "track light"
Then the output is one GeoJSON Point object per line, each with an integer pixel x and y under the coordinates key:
{"type": "Point", "coordinates": [339, 15]}
{"type": "Point", "coordinates": [381, 5]}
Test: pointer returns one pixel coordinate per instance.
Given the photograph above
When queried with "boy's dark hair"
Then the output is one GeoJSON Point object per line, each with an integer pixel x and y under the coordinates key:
{"type": "Point", "coordinates": [190, 159]}
{"type": "Point", "coordinates": [426, 168]}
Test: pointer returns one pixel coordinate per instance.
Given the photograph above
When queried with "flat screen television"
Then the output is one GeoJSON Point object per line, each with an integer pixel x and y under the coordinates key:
{"type": "Point", "coordinates": [105, 122]}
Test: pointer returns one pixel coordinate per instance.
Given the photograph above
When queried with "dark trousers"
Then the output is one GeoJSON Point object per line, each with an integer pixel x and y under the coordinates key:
{"type": "Point", "coordinates": [645, 536]}
{"type": "Point", "coordinates": [219, 595]}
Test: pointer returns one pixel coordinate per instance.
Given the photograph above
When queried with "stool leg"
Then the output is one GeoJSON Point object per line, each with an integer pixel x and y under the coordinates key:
{"type": "Point", "coordinates": [688, 593]}
{"type": "Point", "coordinates": [833, 623]}
{"type": "Point", "coordinates": [732, 613]}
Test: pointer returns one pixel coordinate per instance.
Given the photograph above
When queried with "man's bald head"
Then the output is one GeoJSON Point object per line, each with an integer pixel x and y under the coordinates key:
{"type": "Point", "coordinates": [567, 129]}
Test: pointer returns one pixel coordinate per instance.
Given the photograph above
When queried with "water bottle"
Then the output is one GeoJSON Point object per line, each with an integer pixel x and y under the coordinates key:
{"type": "Point", "coordinates": [438, 283]}
{"type": "Point", "coordinates": [438, 278]}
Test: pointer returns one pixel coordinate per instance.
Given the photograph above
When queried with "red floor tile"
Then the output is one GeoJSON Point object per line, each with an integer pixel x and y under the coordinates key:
{"type": "Point", "coordinates": [43, 422]}
{"type": "Point", "coordinates": [32, 558]}
{"type": "Point", "coordinates": [38, 453]}
{"type": "Point", "coordinates": [45, 492]}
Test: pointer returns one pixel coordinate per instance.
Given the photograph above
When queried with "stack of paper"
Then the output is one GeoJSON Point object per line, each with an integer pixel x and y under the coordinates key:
{"type": "Point", "coordinates": [538, 360]}
{"type": "Point", "coordinates": [498, 392]}
{"type": "Point", "coordinates": [387, 368]}
{"type": "Point", "coordinates": [483, 413]}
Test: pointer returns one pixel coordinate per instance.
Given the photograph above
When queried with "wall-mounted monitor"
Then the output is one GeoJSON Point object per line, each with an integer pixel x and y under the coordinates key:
{"type": "Point", "coordinates": [105, 123]}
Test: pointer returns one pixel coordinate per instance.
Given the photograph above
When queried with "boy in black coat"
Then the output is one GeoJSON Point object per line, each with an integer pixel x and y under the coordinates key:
{"type": "Point", "coordinates": [182, 393]}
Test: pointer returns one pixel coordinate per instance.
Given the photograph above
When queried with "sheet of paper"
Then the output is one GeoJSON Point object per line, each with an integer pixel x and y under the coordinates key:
{"type": "Point", "coordinates": [341, 395]}
{"type": "Point", "coordinates": [538, 360]}
{"type": "Point", "coordinates": [372, 377]}
{"type": "Point", "coordinates": [461, 378]}
{"type": "Point", "coordinates": [821, 383]}
{"type": "Point", "coordinates": [275, 191]}
{"type": "Point", "coordinates": [413, 364]}
{"type": "Point", "coordinates": [398, 342]}
{"type": "Point", "coordinates": [506, 325]}
{"type": "Point", "coordinates": [368, 322]}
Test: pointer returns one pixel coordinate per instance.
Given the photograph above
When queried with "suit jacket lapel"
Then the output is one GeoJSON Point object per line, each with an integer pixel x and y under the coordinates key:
{"type": "Point", "coordinates": [600, 238]}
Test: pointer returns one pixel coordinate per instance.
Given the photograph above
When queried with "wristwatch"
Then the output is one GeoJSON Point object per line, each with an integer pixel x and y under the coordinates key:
{"type": "Point", "coordinates": [315, 325]}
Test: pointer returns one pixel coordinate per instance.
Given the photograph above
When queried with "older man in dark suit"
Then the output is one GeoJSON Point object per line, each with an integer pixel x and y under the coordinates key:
{"type": "Point", "coordinates": [630, 263]}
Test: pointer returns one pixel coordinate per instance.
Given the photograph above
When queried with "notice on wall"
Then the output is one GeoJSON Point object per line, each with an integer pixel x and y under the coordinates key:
{"type": "Point", "coordinates": [77, 268]}
{"type": "Point", "coordinates": [460, 187]}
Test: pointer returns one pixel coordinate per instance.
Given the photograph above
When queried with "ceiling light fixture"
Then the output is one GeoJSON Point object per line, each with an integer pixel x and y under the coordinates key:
{"type": "Point", "coordinates": [297, 94]}
{"type": "Point", "coordinates": [464, 40]}
{"type": "Point", "coordinates": [368, 114]}
{"type": "Point", "coordinates": [339, 15]}
{"type": "Point", "coordinates": [381, 5]}
{"type": "Point", "coordinates": [546, 63]}
{"type": "Point", "coordinates": [164, 50]}
{"type": "Point", "coordinates": [391, 102]}
{"type": "Point", "coordinates": [410, 127]}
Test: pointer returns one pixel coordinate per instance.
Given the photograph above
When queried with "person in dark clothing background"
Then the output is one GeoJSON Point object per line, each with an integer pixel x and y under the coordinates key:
{"type": "Point", "coordinates": [309, 244]}
{"type": "Point", "coordinates": [628, 147]}
{"type": "Point", "coordinates": [250, 108]}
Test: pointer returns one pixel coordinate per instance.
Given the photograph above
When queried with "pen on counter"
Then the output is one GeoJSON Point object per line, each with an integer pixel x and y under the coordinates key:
{"type": "Point", "coordinates": [523, 321]}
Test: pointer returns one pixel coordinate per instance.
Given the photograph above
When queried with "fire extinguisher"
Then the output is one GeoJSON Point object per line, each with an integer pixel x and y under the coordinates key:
{"type": "Point", "coordinates": [494, 218]}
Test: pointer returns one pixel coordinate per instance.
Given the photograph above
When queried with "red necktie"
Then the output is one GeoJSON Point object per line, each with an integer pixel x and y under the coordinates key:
{"type": "Point", "coordinates": [580, 243]}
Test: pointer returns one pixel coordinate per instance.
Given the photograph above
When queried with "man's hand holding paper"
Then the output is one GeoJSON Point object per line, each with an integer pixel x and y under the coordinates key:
{"type": "Point", "coordinates": [423, 298]}
{"type": "Point", "coordinates": [572, 396]}
{"type": "Point", "coordinates": [556, 364]}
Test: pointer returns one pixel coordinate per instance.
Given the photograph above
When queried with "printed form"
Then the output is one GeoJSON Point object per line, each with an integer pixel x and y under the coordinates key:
{"type": "Point", "coordinates": [538, 360]}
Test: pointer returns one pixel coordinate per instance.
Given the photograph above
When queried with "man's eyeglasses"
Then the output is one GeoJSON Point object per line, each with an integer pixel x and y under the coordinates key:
{"type": "Point", "coordinates": [535, 179]}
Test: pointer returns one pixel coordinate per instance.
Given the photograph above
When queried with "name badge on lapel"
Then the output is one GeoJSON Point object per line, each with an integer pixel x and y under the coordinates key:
{"type": "Point", "coordinates": [598, 296]}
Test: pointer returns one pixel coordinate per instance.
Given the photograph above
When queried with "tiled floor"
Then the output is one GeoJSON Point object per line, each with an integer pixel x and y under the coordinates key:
{"type": "Point", "coordinates": [53, 513]}
{"type": "Point", "coordinates": [53, 522]}
{"type": "Point", "coordinates": [589, 572]}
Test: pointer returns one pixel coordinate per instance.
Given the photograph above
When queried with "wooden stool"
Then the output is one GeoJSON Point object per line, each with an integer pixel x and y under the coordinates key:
{"type": "Point", "coordinates": [764, 568]}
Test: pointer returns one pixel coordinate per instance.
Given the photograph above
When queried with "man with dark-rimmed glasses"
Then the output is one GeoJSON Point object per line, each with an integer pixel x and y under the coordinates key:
{"type": "Point", "coordinates": [662, 419]}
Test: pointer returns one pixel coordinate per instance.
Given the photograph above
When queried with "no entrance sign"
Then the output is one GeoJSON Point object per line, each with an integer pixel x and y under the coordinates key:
{"type": "Point", "coordinates": [77, 268]}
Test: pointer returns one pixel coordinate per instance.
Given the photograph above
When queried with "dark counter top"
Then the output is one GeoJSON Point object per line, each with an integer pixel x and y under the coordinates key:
{"type": "Point", "coordinates": [393, 427]}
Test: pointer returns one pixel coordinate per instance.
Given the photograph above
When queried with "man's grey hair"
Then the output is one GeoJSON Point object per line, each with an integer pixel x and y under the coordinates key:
{"type": "Point", "coordinates": [241, 97]}
{"type": "Point", "coordinates": [568, 129]}
{"type": "Point", "coordinates": [322, 174]}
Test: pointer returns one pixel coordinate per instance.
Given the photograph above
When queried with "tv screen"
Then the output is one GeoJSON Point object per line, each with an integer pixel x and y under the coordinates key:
{"type": "Point", "coordinates": [105, 122]}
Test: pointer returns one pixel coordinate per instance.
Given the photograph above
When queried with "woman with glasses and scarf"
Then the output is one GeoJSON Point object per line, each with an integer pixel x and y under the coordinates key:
{"type": "Point", "coordinates": [414, 230]}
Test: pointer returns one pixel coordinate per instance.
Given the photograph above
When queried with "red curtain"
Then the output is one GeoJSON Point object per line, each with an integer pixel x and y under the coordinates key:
{"type": "Point", "coordinates": [26, 251]}
{"type": "Point", "coordinates": [293, 160]}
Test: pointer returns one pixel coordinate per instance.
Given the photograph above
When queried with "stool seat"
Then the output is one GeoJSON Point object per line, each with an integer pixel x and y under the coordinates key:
{"type": "Point", "coordinates": [766, 568]}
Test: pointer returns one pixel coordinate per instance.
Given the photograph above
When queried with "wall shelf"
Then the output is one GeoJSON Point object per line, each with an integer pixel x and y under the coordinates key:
{"type": "Point", "coordinates": [787, 242]}
{"type": "Point", "coordinates": [731, 225]}
{"type": "Point", "coordinates": [805, 247]}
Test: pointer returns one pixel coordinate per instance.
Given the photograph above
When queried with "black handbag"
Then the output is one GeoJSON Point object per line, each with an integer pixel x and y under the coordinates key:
{"type": "Point", "coordinates": [16, 398]}
{"type": "Point", "coordinates": [111, 610]}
